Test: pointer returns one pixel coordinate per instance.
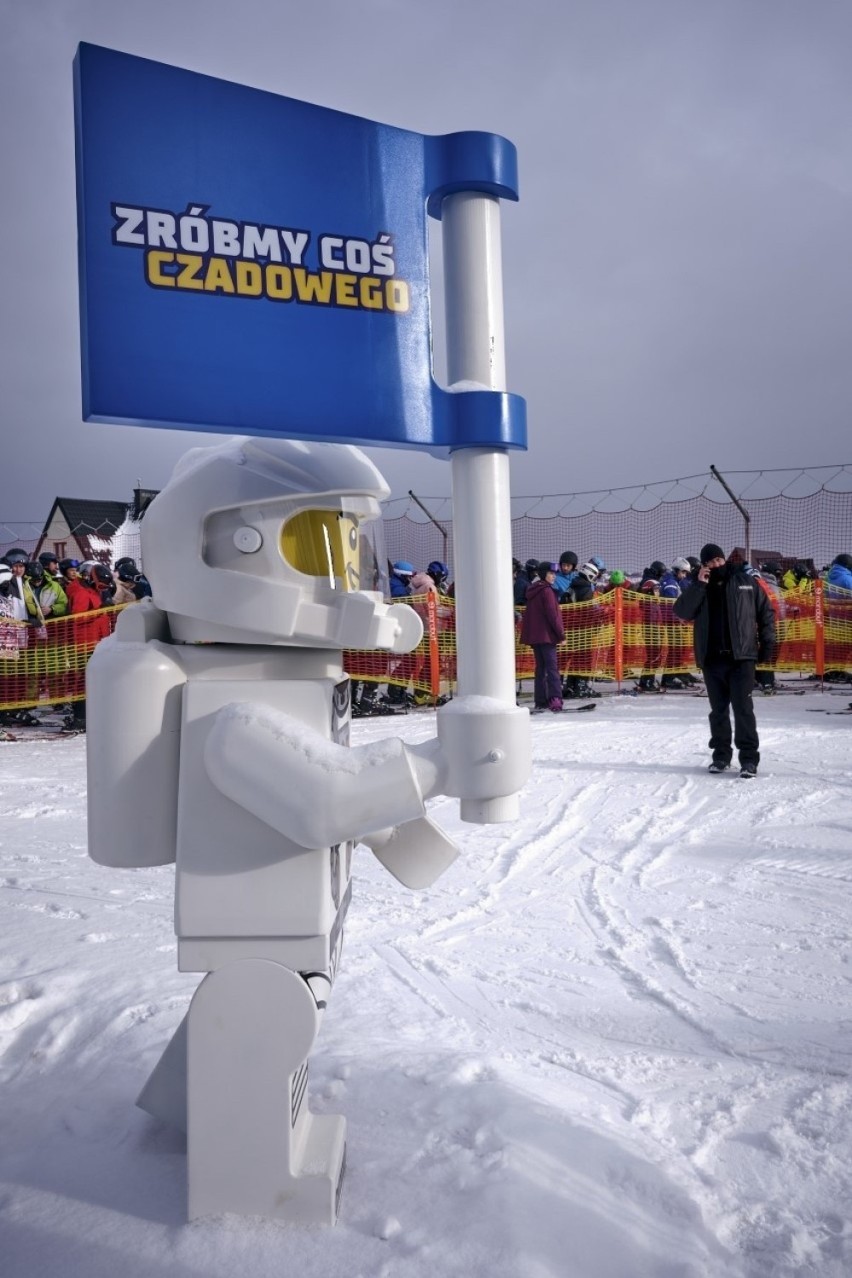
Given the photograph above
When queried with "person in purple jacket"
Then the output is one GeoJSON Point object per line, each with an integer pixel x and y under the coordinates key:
{"type": "Point", "coordinates": [542, 630]}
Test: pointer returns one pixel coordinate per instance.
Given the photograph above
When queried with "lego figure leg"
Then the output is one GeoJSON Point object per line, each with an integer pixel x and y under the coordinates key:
{"type": "Point", "coordinates": [253, 1146]}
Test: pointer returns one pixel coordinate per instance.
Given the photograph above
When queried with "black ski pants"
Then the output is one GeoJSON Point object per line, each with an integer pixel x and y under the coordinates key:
{"type": "Point", "coordinates": [729, 686]}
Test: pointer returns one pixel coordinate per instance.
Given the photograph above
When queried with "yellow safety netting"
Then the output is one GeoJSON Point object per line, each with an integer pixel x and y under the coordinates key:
{"type": "Point", "coordinates": [615, 636]}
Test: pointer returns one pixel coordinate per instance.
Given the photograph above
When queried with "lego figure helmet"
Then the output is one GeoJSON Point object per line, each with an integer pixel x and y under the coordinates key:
{"type": "Point", "coordinates": [274, 541]}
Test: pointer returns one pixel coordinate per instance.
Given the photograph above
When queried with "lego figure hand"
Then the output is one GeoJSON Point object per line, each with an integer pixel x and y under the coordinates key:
{"type": "Point", "coordinates": [416, 853]}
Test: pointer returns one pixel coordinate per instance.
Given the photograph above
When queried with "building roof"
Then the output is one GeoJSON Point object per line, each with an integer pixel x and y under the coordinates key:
{"type": "Point", "coordinates": [103, 518]}
{"type": "Point", "coordinates": [98, 520]}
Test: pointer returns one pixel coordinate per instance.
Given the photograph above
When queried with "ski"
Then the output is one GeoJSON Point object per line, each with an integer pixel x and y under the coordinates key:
{"type": "Point", "coordinates": [5, 735]}
{"type": "Point", "coordinates": [820, 710]}
{"type": "Point", "coordinates": [591, 705]}
{"type": "Point", "coordinates": [636, 691]}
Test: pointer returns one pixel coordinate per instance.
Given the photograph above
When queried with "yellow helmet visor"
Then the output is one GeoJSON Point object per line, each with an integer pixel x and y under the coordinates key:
{"type": "Point", "coordinates": [336, 545]}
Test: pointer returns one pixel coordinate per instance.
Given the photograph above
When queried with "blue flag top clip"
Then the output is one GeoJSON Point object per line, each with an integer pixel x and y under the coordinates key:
{"type": "Point", "coordinates": [256, 265]}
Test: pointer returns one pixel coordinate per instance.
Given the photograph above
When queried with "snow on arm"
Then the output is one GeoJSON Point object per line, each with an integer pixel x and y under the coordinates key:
{"type": "Point", "coordinates": [311, 790]}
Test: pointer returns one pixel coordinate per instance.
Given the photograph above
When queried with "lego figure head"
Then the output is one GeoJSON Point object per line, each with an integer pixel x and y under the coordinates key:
{"type": "Point", "coordinates": [274, 541]}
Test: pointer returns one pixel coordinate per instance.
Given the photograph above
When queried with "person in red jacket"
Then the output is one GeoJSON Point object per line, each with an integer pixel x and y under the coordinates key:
{"type": "Point", "coordinates": [542, 630]}
{"type": "Point", "coordinates": [86, 631]}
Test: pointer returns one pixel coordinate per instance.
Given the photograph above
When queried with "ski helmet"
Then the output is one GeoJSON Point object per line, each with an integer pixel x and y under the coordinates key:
{"type": "Point", "coordinates": [403, 568]}
{"type": "Point", "coordinates": [35, 571]}
{"type": "Point", "coordinates": [16, 556]}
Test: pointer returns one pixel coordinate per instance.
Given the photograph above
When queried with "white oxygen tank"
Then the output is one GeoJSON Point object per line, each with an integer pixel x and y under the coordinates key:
{"type": "Point", "coordinates": [134, 690]}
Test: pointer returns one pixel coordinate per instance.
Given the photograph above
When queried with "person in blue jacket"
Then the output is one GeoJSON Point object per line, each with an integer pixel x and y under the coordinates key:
{"type": "Point", "coordinates": [840, 572]}
{"type": "Point", "coordinates": [566, 572]}
{"type": "Point", "coordinates": [673, 580]}
{"type": "Point", "coordinates": [400, 579]}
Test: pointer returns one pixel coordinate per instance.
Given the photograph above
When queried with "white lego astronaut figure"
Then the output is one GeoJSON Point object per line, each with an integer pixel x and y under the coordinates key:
{"type": "Point", "coordinates": [223, 705]}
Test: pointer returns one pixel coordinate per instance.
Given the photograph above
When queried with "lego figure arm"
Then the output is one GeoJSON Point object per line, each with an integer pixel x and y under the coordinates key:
{"type": "Point", "coordinates": [317, 793]}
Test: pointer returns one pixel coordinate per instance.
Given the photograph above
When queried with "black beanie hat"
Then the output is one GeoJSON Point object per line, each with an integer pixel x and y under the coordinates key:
{"type": "Point", "coordinates": [711, 551]}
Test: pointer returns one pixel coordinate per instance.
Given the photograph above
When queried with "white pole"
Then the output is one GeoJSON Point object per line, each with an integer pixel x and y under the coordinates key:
{"type": "Point", "coordinates": [473, 289]}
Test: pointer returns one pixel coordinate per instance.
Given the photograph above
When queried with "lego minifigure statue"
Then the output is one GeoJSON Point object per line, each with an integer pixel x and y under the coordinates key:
{"type": "Point", "coordinates": [223, 702]}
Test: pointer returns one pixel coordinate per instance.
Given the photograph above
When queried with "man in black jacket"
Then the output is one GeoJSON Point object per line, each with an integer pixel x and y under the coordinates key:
{"type": "Point", "coordinates": [733, 629]}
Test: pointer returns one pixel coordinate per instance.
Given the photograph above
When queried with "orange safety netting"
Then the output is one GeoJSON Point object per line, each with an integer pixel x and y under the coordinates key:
{"type": "Point", "coordinates": [618, 635]}
{"type": "Point", "coordinates": [47, 664]}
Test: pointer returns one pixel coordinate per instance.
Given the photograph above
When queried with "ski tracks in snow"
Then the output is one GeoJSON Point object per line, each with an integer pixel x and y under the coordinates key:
{"type": "Point", "coordinates": [620, 1024]}
{"type": "Point", "coordinates": [643, 949]}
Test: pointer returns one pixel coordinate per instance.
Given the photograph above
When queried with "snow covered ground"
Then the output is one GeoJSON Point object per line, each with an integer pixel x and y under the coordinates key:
{"type": "Point", "coordinates": [613, 1041]}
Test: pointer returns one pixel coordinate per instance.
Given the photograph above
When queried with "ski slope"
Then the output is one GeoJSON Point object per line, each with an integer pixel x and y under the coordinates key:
{"type": "Point", "coordinates": [613, 1041]}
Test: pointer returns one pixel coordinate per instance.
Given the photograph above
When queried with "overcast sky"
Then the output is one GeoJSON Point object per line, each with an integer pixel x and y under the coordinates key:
{"type": "Point", "coordinates": [677, 272]}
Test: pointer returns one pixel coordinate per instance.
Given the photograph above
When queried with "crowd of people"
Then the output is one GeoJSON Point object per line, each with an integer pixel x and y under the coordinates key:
{"type": "Point", "coordinates": [36, 591]}
{"type": "Point", "coordinates": [405, 582]}
{"type": "Point", "coordinates": [540, 586]}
